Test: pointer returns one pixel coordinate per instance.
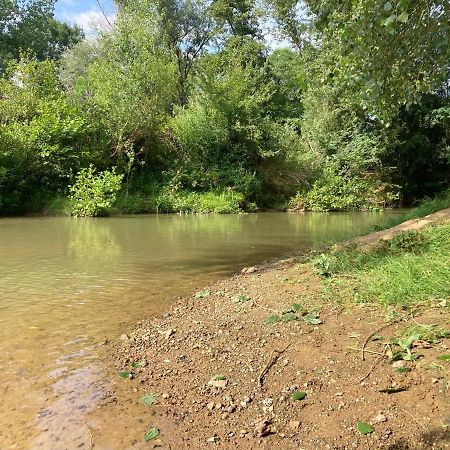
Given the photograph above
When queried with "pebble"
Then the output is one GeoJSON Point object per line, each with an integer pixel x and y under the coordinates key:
{"type": "Point", "coordinates": [210, 406]}
{"type": "Point", "coordinates": [294, 424]}
{"type": "Point", "coordinates": [398, 364]}
{"type": "Point", "coordinates": [166, 396]}
{"type": "Point", "coordinates": [379, 419]}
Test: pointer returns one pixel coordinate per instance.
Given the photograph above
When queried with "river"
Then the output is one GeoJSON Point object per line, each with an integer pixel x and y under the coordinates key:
{"type": "Point", "coordinates": [67, 286]}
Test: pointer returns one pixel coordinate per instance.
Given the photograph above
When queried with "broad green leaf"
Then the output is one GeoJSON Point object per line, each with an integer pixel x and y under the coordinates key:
{"type": "Point", "coordinates": [203, 294]}
{"type": "Point", "coordinates": [124, 374]}
{"type": "Point", "coordinates": [288, 317]}
{"type": "Point", "coordinates": [151, 434]}
{"type": "Point", "coordinates": [389, 20]}
{"type": "Point", "coordinates": [240, 299]}
{"type": "Point", "coordinates": [298, 395]}
{"type": "Point", "coordinates": [403, 17]}
{"type": "Point", "coordinates": [312, 319]}
{"type": "Point", "coordinates": [444, 357]}
{"type": "Point", "coordinates": [365, 428]}
{"type": "Point", "coordinates": [273, 319]}
{"type": "Point", "coordinates": [296, 307]}
{"type": "Point", "coordinates": [149, 399]}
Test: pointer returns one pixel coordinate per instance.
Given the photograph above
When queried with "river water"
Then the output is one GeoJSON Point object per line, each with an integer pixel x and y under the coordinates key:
{"type": "Point", "coordinates": [69, 285]}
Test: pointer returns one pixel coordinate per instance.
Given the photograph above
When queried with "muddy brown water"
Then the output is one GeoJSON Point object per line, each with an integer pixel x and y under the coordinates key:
{"type": "Point", "coordinates": [68, 285]}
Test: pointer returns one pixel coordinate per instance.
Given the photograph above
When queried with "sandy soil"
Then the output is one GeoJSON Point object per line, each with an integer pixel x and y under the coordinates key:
{"type": "Point", "coordinates": [225, 378]}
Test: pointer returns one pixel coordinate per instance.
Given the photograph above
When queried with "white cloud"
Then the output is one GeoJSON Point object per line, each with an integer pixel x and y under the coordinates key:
{"type": "Point", "coordinates": [93, 21]}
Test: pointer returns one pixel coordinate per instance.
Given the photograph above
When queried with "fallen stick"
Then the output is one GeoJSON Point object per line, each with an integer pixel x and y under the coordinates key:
{"type": "Point", "coordinates": [386, 325]}
{"type": "Point", "coordinates": [270, 363]}
{"type": "Point", "coordinates": [375, 363]}
{"type": "Point", "coordinates": [420, 423]}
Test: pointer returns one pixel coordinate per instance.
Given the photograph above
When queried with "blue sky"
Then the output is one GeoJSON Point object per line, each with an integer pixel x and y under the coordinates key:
{"type": "Point", "coordinates": [86, 13]}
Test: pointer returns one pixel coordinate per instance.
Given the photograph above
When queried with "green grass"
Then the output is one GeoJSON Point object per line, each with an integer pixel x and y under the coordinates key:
{"type": "Point", "coordinates": [227, 202]}
{"type": "Point", "coordinates": [413, 268]}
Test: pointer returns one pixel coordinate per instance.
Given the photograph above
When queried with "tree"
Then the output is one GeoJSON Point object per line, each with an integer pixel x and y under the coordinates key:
{"type": "Point", "coordinates": [30, 25]}
{"type": "Point", "coordinates": [390, 52]}
{"type": "Point", "coordinates": [186, 26]}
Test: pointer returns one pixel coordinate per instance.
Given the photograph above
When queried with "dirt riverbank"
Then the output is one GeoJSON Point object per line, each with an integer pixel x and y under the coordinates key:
{"type": "Point", "coordinates": [266, 359]}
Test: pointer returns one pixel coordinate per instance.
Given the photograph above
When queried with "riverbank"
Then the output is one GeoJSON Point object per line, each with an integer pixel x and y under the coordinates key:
{"type": "Point", "coordinates": [273, 357]}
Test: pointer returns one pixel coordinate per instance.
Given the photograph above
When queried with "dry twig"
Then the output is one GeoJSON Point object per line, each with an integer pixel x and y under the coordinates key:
{"type": "Point", "coordinates": [386, 325]}
{"type": "Point", "coordinates": [420, 423]}
{"type": "Point", "coordinates": [272, 360]}
{"type": "Point", "coordinates": [375, 363]}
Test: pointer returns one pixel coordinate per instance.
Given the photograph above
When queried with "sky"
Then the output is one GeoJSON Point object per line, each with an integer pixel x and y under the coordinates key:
{"type": "Point", "coordinates": [85, 13]}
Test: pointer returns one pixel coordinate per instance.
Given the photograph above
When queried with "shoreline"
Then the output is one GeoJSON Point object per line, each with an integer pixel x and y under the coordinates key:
{"type": "Point", "coordinates": [223, 372]}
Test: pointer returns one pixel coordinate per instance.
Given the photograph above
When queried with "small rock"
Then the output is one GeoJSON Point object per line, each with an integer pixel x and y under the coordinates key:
{"type": "Point", "coordinates": [210, 406]}
{"type": "Point", "coordinates": [398, 364]}
{"type": "Point", "coordinates": [445, 421]}
{"type": "Point", "coordinates": [124, 337]}
{"type": "Point", "coordinates": [166, 396]}
{"type": "Point", "coordinates": [294, 424]}
{"type": "Point", "coordinates": [169, 333]}
{"type": "Point", "coordinates": [248, 270]}
{"type": "Point", "coordinates": [339, 394]}
{"type": "Point", "coordinates": [218, 406]}
{"type": "Point", "coordinates": [379, 419]}
{"type": "Point", "coordinates": [218, 383]}
{"type": "Point", "coordinates": [213, 439]}
{"type": "Point", "coordinates": [262, 427]}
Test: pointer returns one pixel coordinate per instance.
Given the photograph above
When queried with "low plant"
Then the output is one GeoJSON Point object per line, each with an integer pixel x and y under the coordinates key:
{"type": "Point", "coordinates": [94, 194]}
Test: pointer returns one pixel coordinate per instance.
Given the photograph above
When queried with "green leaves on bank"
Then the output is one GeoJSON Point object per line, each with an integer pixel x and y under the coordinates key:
{"type": "Point", "coordinates": [364, 428]}
{"type": "Point", "coordinates": [295, 312]}
{"type": "Point", "coordinates": [203, 294]}
{"type": "Point", "coordinates": [152, 433]}
{"type": "Point", "coordinates": [298, 395]}
{"type": "Point", "coordinates": [149, 399]}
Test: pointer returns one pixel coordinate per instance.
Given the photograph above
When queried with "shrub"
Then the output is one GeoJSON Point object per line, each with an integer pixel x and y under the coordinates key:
{"type": "Point", "coordinates": [333, 191]}
{"type": "Point", "coordinates": [94, 194]}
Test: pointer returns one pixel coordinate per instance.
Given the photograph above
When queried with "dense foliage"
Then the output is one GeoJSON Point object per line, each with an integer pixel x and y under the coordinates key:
{"type": "Point", "coordinates": [197, 112]}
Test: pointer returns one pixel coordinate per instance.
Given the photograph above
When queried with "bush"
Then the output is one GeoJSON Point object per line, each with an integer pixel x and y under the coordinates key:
{"type": "Point", "coordinates": [336, 192]}
{"type": "Point", "coordinates": [165, 201]}
{"type": "Point", "coordinates": [94, 194]}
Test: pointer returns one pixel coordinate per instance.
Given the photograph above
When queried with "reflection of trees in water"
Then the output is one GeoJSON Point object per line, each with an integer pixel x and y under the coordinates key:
{"type": "Point", "coordinates": [92, 244]}
{"type": "Point", "coordinates": [327, 227]}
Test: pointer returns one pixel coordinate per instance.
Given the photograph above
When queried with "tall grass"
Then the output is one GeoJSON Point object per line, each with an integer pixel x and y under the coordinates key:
{"type": "Point", "coordinates": [412, 268]}
{"type": "Point", "coordinates": [405, 278]}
